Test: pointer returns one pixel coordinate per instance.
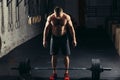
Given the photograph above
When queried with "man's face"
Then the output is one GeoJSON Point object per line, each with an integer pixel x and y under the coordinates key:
{"type": "Point", "coordinates": [58, 14]}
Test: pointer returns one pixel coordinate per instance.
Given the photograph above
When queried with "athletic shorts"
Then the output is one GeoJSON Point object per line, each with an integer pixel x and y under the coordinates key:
{"type": "Point", "coordinates": [59, 43]}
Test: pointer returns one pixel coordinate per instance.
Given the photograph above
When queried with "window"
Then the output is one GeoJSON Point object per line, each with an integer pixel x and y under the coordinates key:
{"type": "Point", "coordinates": [2, 17]}
{"type": "Point", "coordinates": [17, 13]}
{"type": "Point", "coordinates": [25, 2]}
{"type": "Point", "coordinates": [10, 17]}
{"type": "Point", "coordinates": [8, 2]}
{"type": "Point", "coordinates": [18, 2]}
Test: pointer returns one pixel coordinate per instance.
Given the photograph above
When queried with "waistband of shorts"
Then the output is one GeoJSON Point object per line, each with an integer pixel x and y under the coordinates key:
{"type": "Point", "coordinates": [63, 36]}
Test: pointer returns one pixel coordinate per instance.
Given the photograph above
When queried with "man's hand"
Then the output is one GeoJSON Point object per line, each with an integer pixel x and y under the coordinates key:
{"type": "Point", "coordinates": [45, 44]}
{"type": "Point", "coordinates": [74, 43]}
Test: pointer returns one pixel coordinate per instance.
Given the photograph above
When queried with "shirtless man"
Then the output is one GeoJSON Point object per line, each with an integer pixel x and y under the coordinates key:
{"type": "Point", "coordinates": [58, 23]}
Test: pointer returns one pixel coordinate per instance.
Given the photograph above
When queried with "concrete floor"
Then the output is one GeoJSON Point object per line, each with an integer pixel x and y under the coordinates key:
{"type": "Point", "coordinates": [91, 44]}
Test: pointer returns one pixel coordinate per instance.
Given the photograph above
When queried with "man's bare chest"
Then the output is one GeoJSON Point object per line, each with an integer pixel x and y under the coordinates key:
{"type": "Point", "coordinates": [59, 22]}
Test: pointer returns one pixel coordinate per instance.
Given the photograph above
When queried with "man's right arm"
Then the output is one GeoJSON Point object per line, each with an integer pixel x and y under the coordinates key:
{"type": "Point", "coordinates": [46, 31]}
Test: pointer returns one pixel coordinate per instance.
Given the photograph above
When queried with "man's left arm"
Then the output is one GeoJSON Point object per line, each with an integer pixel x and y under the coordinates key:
{"type": "Point", "coordinates": [72, 31]}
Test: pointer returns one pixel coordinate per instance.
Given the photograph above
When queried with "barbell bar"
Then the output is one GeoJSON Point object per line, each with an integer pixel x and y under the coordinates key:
{"type": "Point", "coordinates": [39, 68]}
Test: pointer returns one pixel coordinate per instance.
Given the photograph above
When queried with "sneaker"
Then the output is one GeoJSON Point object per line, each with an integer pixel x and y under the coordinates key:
{"type": "Point", "coordinates": [53, 76]}
{"type": "Point", "coordinates": [66, 76]}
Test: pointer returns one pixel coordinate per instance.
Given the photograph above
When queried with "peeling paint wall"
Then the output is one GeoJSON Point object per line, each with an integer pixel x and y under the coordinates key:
{"type": "Point", "coordinates": [14, 27]}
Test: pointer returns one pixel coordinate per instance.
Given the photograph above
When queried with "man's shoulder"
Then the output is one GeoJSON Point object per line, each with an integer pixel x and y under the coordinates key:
{"type": "Point", "coordinates": [50, 16]}
{"type": "Point", "coordinates": [67, 15]}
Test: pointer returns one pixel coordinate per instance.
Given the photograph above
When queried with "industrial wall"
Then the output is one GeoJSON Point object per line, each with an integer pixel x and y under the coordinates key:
{"type": "Point", "coordinates": [98, 12]}
{"type": "Point", "coordinates": [14, 27]}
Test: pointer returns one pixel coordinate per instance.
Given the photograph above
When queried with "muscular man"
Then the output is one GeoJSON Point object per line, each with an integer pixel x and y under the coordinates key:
{"type": "Point", "coordinates": [58, 23]}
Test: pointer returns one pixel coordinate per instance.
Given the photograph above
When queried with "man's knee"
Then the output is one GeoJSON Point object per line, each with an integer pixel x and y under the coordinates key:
{"type": "Point", "coordinates": [66, 57]}
{"type": "Point", "coordinates": [54, 57]}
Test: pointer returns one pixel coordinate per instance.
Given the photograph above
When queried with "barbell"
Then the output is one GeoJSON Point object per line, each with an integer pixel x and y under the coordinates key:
{"type": "Point", "coordinates": [24, 69]}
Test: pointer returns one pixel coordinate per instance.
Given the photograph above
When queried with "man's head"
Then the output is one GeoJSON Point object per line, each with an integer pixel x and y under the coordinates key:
{"type": "Point", "coordinates": [58, 11]}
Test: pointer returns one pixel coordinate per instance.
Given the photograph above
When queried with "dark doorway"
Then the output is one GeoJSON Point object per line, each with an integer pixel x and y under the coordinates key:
{"type": "Point", "coordinates": [82, 8]}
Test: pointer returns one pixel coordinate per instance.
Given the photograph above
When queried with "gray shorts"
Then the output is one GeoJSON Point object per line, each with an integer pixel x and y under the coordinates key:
{"type": "Point", "coordinates": [59, 43]}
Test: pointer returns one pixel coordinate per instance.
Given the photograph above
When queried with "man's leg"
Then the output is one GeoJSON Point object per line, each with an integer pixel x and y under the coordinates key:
{"type": "Point", "coordinates": [66, 52]}
{"type": "Point", "coordinates": [66, 63]}
{"type": "Point", "coordinates": [54, 63]}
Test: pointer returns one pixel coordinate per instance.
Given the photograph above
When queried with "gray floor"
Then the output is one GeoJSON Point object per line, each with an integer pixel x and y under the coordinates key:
{"type": "Point", "coordinates": [91, 44]}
